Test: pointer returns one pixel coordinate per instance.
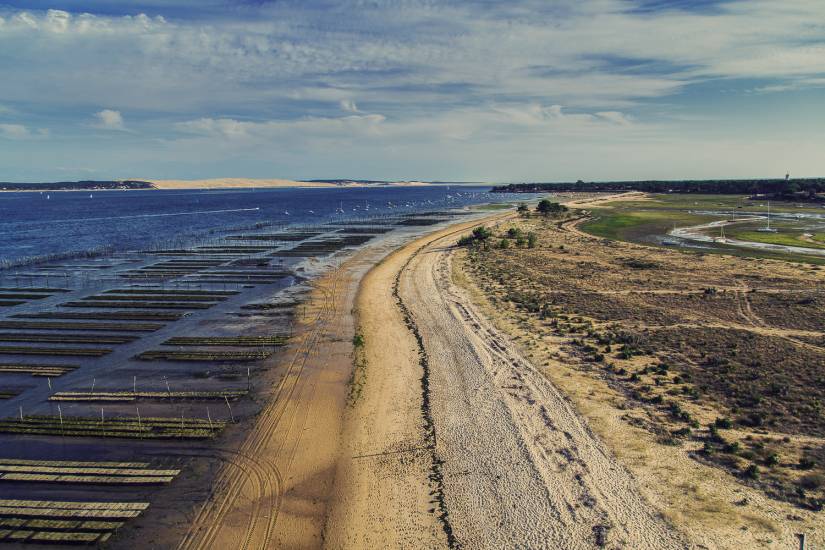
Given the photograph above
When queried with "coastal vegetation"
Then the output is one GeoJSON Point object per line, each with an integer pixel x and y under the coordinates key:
{"type": "Point", "coordinates": [650, 219]}
{"type": "Point", "coordinates": [719, 358]}
{"type": "Point", "coordinates": [83, 185]}
{"type": "Point", "coordinates": [790, 189]}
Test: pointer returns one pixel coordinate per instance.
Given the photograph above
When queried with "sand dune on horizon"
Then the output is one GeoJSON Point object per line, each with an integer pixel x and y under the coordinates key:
{"type": "Point", "coordinates": [233, 183]}
{"type": "Point", "coordinates": [246, 183]}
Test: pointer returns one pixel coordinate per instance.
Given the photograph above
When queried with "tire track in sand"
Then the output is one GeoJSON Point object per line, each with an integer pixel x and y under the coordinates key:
{"type": "Point", "coordinates": [519, 464]}
{"type": "Point", "coordinates": [265, 497]}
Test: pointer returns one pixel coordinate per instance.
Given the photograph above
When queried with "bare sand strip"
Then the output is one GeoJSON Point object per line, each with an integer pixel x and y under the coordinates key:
{"type": "Point", "coordinates": [458, 441]}
{"type": "Point", "coordinates": [255, 183]}
{"type": "Point", "coordinates": [385, 496]}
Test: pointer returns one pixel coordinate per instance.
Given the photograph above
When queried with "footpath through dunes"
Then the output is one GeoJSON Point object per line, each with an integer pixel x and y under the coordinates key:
{"type": "Point", "coordinates": [457, 441]}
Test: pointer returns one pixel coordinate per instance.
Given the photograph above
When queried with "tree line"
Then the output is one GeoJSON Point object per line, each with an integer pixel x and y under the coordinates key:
{"type": "Point", "coordinates": [791, 189]}
{"type": "Point", "coordinates": [76, 185]}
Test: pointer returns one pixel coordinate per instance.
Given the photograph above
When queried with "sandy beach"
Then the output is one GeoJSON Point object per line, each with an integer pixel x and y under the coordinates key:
{"type": "Point", "coordinates": [458, 440]}
{"type": "Point", "coordinates": [412, 415]}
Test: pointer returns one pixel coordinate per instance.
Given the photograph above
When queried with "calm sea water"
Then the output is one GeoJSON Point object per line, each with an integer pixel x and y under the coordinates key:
{"type": "Point", "coordinates": [42, 224]}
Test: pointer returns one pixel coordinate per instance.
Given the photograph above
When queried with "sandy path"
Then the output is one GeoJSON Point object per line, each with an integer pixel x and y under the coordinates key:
{"type": "Point", "coordinates": [382, 489]}
{"type": "Point", "coordinates": [386, 495]}
{"type": "Point", "coordinates": [520, 466]}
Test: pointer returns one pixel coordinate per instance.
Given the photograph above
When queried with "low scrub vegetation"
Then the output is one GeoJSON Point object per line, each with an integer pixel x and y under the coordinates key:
{"type": "Point", "coordinates": [652, 330]}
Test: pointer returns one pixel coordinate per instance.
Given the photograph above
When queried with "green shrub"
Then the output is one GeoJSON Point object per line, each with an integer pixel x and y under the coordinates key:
{"type": "Point", "coordinates": [482, 233]}
{"type": "Point", "coordinates": [732, 448]}
{"type": "Point", "coordinates": [724, 423]}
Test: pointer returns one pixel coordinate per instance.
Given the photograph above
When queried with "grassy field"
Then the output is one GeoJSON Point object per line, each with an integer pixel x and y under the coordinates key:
{"type": "Point", "coordinates": [637, 223]}
{"type": "Point", "coordinates": [788, 236]}
{"type": "Point", "coordinates": [649, 221]}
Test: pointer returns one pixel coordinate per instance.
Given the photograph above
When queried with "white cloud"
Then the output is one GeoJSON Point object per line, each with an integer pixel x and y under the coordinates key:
{"type": "Point", "coordinates": [482, 77]}
{"type": "Point", "coordinates": [311, 127]}
{"type": "Point", "coordinates": [108, 119]}
{"type": "Point", "coordinates": [57, 21]}
{"type": "Point", "coordinates": [20, 131]}
{"type": "Point", "coordinates": [14, 131]}
{"type": "Point", "coordinates": [408, 53]}
{"type": "Point", "coordinates": [616, 117]}
{"type": "Point", "coordinates": [348, 105]}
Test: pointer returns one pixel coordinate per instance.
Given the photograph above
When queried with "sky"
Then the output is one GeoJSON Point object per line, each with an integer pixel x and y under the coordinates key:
{"type": "Point", "coordinates": [461, 90]}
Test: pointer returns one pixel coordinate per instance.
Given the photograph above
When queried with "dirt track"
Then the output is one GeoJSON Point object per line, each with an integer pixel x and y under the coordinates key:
{"type": "Point", "coordinates": [502, 454]}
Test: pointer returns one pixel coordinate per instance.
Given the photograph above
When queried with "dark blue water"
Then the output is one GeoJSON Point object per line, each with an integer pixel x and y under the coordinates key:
{"type": "Point", "coordinates": [44, 224]}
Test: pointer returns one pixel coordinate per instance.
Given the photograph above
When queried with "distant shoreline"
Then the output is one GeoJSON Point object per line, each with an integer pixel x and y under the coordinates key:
{"type": "Point", "coordinates": [216, 183]}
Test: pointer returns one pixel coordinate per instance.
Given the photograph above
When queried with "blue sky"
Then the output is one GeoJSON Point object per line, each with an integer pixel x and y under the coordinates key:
{"type": "Point", "coordinates": [536, 90]}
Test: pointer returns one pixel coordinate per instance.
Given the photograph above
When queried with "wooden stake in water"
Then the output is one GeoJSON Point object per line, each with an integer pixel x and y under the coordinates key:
{"type": "Point", "coordinates": [49, 380]}
{"type": "Point", "coordinates": [134, 384]}
{"type": "Point", "coordinates": [21, 412]}
{"type": "Point", "coordinates": [93, 384]}
{"type": "Point", "coordinates": [231, 416]}
{"type": "Point", "coordinates": [60, 415]}
{"type": "Point", "coordinates": [248, 384]}
{"type": "Point", "coordinates": [209, 416]}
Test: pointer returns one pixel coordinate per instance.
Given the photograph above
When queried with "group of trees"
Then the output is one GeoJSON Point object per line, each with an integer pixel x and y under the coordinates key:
{"type": "Point", "coordinates": [545, 207]}
{"type": "Point", "coordinates": [795, 189]}
{"type": "Point", "coordinates": [530, 240]}
{"type": "Point", "coordinates": [481, 236]}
